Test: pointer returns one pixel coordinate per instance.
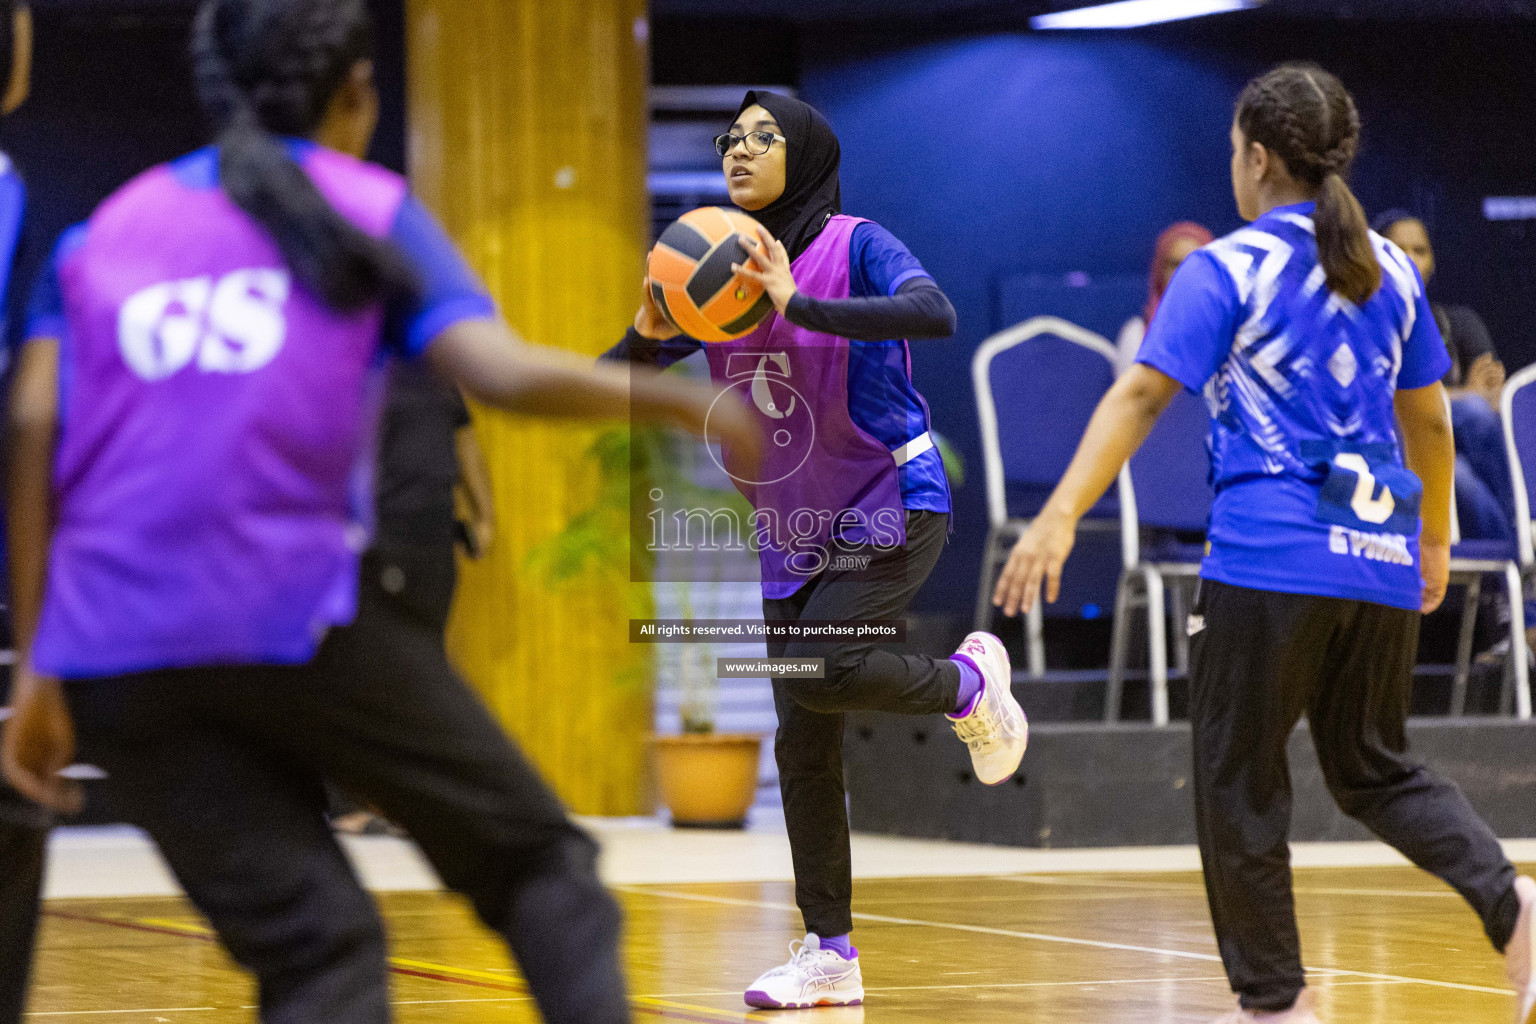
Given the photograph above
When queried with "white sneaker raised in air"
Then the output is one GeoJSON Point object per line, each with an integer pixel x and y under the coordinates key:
{"type": "Point", "coordinates": [995, 729]}
{"type": "Point", "coordinates": [813, 977]}
{"type": "Point", "coordinates": [1520, 954]}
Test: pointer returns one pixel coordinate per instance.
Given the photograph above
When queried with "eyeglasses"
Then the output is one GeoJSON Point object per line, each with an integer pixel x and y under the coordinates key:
{"type": "Point", "coordinates": [757, 143]}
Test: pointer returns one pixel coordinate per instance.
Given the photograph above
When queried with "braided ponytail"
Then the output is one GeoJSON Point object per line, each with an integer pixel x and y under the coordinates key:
{"type": "Point", "coordinates": [1306, 117]}
{"type": "Point", "coordinates": [270, 67]}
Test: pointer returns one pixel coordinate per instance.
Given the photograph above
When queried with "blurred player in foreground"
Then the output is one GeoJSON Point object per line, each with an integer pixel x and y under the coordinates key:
{"type": "Point", "coordinates": [193, 421]}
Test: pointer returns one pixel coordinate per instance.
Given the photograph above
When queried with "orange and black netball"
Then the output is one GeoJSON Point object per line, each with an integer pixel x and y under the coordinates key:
{"type": "Point", "coordinates": [691, 279]}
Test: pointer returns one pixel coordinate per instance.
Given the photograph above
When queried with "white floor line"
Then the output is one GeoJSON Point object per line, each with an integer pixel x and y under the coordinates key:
{"type": "Point", "coordinates": [1196, 887]}
{"type": "Point", "coordinates": [1161, 980]}
{"type": "Point", "coordinates": [977, 929]}
{"type": "Point", "coordinates": [1181, 954]}
{"type": "Point", "coordinates": [1047, 984]}
{"type": "Point", "coordinates": [486, 999]}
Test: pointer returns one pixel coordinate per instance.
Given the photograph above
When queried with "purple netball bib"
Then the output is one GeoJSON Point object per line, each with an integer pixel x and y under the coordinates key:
{"type": "Point", "coordinates": [216, 428]}
{"type": "Point", "coordinates": [824, 483]}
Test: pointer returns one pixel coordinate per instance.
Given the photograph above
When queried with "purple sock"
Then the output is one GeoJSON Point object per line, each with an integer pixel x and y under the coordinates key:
{"type": "Point", "coordinates": [970, 685]}
{"type": "Point", "coordinates": [840, 944]}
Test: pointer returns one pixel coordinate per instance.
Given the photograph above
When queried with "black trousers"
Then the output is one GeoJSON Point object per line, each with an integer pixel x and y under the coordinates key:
{"type": "Point", "coordinates": [420, 580]}
{"type": "Point", "coordinates": [23, 851]}
{"type": "Point", "coordinates": [223, 768]}
{"type": "Point", "coordinates": [859, 677]}
{"type": "Point", "coordinates": [1263, 660]}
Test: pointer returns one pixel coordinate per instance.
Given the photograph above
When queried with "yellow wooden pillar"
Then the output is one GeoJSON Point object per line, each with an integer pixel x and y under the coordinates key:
{"type": "Point", "coordinates": [527, 127]}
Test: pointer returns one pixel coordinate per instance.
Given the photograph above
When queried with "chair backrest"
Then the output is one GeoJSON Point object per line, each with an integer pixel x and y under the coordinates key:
{"type": "Point", "coordinates": [1037, 385]}
{"type": "Point", "coordinates": [1518, 407]}
{"type": "Point", "coordinates": [1167, 482]}
{"type": "Point", "coordinates": [1455, 516]}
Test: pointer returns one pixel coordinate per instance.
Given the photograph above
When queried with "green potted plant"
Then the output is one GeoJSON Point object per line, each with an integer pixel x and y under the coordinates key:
{"type": "Point", "coordinates": [707, 779]}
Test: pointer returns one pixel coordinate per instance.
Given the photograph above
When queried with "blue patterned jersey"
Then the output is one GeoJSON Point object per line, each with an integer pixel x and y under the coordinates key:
{"type": "Point", "coordinates": [1311, 493]}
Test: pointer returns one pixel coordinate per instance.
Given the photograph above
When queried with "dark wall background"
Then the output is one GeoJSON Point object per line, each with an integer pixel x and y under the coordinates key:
{"type": "Point", "coordinates": [1015, 153]}
{"type": "Point", "coordinates": [112, 96]}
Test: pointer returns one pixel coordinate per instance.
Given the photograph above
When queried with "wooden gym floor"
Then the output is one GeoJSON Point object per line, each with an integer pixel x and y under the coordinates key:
{"type": "Point", "coordinates": [1387, 945]}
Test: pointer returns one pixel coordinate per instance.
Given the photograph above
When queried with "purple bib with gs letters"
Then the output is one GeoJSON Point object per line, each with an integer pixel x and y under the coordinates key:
{"type": "Point", "coordinates": [825, 484]}
{"type": "Point", "coordinates": [217, 421]}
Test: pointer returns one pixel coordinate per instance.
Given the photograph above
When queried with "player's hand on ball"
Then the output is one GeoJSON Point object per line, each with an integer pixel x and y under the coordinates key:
{"type": "Point", "coordinates": [650, 321]}
{"type": "Point", "coordinates": [1039, 555]}
{"type": "Point", "coordinates": [39, 742]}
{"type": "Point", "coordinates": [769, 267]}
{"type": "Point", "coordinates": [1435, 564]}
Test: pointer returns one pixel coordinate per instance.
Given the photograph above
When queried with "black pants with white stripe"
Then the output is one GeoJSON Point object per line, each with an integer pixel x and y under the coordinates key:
{"type": "Point", "coordinates": [1262, 661]}
{"type": "Point", "coordinates": [223, 768]}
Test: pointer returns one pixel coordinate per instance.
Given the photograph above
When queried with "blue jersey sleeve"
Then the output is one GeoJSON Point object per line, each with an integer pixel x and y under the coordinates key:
{"type": "Point", "coordinates": [1425, 356]}
{"type": "Point", "coordinates": [878, 263]}
{"type": "Point", "coordinates": [1196, 322]}
{"type": "Point", "coordinates": [450, 291]}
{"type": "Point", "coordinates": [45, 311]}
{"type": "Point", "coordinates": [13, 209]}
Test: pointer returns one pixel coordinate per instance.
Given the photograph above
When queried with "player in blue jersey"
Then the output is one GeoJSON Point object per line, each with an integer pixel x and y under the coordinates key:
{"type": "Point", "coordinates": [23, 825]}
{"type": "Point", "coordinates": [1311, 339]}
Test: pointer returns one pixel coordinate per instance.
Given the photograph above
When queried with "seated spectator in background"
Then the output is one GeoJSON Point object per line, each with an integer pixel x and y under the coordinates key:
{"type": "Point", "coordinates": [1485, 498]}
{"type": "Point", "coordinates": [1173, 246]}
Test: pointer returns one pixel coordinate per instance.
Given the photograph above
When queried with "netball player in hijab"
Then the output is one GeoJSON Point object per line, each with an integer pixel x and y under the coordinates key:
{"type": "Point", "coordinates": [1311, 339]}
{"type": "Point", "coordinates": [831, 369]}
{"type": "Point", "coordinates": [192, 426]}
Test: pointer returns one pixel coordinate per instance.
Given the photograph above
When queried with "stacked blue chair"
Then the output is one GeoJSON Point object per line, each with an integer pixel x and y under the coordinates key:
{"type": "Point", "coordinates": [1471, 561]}
{"type": "Point", "coordinates": [1516, 562]}
{"type": "Point", "coordinates": [1037, 385]}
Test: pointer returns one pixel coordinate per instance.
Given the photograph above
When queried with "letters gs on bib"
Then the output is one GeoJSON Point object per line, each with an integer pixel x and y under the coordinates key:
{"type": "Point", "coordinates": [1365, 489]}
{"type": "Point", "coordinates": [232, 324]}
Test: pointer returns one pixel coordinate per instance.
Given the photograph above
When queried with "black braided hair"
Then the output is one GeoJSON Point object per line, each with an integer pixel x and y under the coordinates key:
{"type": "Point", "coordinates": [1306, 117]}
{"type": "Point", "coordinates": [266, 68]}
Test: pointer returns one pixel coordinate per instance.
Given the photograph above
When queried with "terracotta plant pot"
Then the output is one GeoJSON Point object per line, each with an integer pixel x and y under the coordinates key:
{"type": "Point", "coordinates": [708, 781]}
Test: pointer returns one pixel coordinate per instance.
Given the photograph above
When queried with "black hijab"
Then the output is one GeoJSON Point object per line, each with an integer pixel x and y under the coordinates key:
{"type": "Point", "coordinates": [811, 192]}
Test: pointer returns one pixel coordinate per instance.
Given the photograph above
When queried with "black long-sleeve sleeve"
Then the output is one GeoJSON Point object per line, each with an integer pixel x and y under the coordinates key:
{"type": "Point", "coordinates": [919, 309]}
{"type": "Point", "coordinates": [637, 348]}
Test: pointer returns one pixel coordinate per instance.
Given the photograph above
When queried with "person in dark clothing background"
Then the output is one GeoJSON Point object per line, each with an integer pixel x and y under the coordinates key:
{"type": "Point", "coordinates": [1485, 497]}
{"type": "Point", "coordinates": [432, 492]}
{"type": "Point", "coordinates": [1485, 492]}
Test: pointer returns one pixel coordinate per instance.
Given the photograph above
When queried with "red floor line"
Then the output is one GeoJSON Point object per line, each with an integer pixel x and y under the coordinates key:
{"type": "Point", "coordinates": [656, 1011]}
{"type": "Point", "coordinates": [130, 925]}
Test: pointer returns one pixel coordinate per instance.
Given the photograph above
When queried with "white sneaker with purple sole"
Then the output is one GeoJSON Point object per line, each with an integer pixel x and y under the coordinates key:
{"type": "Point", "coordinates": [813, 977]}
{"type": "Point", "coordinates": [994, 728]}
